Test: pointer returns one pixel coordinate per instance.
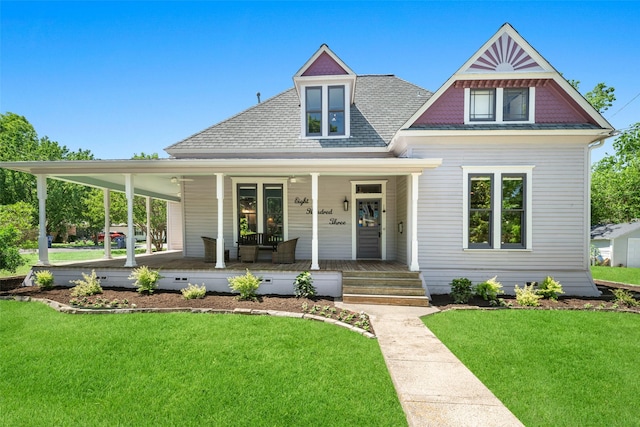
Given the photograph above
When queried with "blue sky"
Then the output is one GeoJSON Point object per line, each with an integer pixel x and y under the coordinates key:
{"type": "Point", "coordinates": [120, 78]}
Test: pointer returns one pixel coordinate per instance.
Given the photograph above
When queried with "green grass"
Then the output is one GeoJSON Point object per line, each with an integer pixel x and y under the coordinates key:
{"type": "Point", "coordinates": [551, 368]}
{"type": "Point", "coordinates": [626, 275]}
{"type": "Point", "coordinates": [60, 257]}
{"type": "Point", "coordinates": [187, 369]}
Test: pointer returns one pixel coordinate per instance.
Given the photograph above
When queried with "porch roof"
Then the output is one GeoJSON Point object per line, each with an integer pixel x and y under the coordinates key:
{"type": "Point", "coordinates": [158, 178]}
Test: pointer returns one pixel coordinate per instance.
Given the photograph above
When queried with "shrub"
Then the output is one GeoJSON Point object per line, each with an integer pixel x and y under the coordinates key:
{"type": "Point", "coordinates": [194, 291]}
{"type": "Point", "coordinates": [624, 297]}
{"type": "Point", "coordinates": [490, 290]}
{"type": "Point", "coordinates": [246, 284]}
{"type": "Point", "coordinates": [10, 258]}
{"type": "Point", "coordinates": [146, 280]}
{"type": "Point", "coordinates": [550, 288]}
{"type": "Point", "coordinates": [44, 279]}
{"type": "Point", "coordinates": [89, 286]}
{"type": "Point", "coordinates": [303, 285]}
{"type": "Point", "coordinates": [527, 296]}
{"type": "Point", "coordinates": [461, 290]}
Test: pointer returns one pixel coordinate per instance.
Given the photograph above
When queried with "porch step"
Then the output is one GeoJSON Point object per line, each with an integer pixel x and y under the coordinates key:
{"type": "Point", "coordinates": [383, 287]}
{"type": "Point", "coordinates": [413, 301]}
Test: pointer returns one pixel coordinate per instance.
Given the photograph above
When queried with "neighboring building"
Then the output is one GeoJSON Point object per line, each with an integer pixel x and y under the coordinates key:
{"type": "Point", "coordinates": [620, 243]}
{"type": "Point", "coordinates": [487, 176]}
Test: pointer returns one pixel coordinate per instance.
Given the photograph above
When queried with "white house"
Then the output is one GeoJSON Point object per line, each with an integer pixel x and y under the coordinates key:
{"type": "Point", "coordinates": [489, 175]}
{"type": "Point", "coordinates": [620, 243]}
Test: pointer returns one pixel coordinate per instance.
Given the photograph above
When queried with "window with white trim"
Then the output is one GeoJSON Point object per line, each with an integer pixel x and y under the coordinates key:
{"type": "Point", "coordinates": [326, 112]}
{"type": "Point", "coordinates": [497, 207]}
{"type": "Point", "coordinates": [499, 105]}
{"type": "Point", "coordinates": [259, 206]}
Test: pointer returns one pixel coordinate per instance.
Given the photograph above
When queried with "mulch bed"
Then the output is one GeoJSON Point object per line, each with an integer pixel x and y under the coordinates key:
{"type": "Point", "coordinates": [604, 301]}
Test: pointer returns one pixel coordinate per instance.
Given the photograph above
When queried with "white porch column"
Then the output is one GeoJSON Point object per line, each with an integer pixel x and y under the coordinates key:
{"type": "Point", "coordinates": [43, 241]}
{"type": "Point", "coordinates": [107, 223]}
{"type": "Point", "coordinates": [413, 222]}
{"type": "Point", "coordinates": [148, 231]}
{"type": "Point", "coordinates": [131, 238]}
{"type": "Point", "coordinates": [314, 206]}
{"type": "Point", "coordinates": [220, 237]}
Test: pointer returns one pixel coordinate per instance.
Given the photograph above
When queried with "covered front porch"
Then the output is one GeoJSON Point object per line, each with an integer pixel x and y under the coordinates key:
{"type": "Point", "coordinates": [386, 281]}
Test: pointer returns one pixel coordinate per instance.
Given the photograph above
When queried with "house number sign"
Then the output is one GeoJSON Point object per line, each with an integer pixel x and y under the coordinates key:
{"type": "Point", "coordinates": [332, 221]}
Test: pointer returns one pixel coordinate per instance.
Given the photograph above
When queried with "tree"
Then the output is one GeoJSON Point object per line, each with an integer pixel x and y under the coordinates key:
{"type": "Point", "coordinates": [601, 97]}
{"type": "Point", "coordinates": [18, 142]}
{"type": "Point", "coordinates": [615, 181]}
{"type": "Point", "coordinates": [19, 216]}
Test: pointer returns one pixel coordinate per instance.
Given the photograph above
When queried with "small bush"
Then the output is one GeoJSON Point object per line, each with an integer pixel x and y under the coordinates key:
{"type": "Point", "coordinates": [303, 285]}
{"type": "Point", "coordinates": [44, 279]}
{"type": "Point", "coordinates": [146, 280]}
{"type": "Point", "coordinates": [194, 291]}
{"type": "Point", "coordinates": [624, 297]}
{"type": "Point", "coordinates": [490, 290]}
{"type": "Point", "coordinates": [89, 286]}
{"type": "Point", "coordinates": [550, 288]}
{"type": "Point", "coordinates": [246, 284]}
{"type": "Point", "coordinates": [461, 290]}
{"type": "Point", "coordinates": [527, 296]}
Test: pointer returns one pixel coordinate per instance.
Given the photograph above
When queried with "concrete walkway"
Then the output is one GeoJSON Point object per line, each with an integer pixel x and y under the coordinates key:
{"type": "Point", "coordinates": [434, 387]}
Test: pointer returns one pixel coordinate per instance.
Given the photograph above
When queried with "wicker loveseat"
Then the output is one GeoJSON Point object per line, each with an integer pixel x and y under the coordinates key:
{"type": "Point", "coordinates": [285, 252]}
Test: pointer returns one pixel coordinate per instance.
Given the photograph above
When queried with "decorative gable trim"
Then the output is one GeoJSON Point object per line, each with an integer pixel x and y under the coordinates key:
{"type": "Point", "coordinates": [505, 55]}
{"type": "Point", "coordinates": [508, 57]}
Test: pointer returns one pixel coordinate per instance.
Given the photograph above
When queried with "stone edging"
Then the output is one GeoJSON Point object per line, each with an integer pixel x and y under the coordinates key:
{"type": "Point", "coordinates": [63, 308]}
{"type": "Point", "coordinates": [613, 310]}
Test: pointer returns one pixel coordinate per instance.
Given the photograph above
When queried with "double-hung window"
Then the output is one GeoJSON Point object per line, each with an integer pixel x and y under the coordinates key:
{"type": "Point", "coordinates": [325, 111]}
{"type": "Point", "coordinates": [259, 207]}
{"type": "Point", "coordinates": [499, 105]}
{"type": "Point", "coordinates": [497, 207]}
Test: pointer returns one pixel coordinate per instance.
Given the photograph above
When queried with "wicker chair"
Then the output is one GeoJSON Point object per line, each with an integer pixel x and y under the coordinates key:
{"type": "Point", "coordinates": [210, 249]}
{"type": "Point", "coordinates": [285, 252]}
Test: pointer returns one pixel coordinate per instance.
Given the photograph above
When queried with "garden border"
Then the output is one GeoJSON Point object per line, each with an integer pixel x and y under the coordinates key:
{"type": "Point", "coordinates": [63, 308]}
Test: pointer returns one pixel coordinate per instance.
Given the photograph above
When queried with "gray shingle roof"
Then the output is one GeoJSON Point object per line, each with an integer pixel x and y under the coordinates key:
{"type": "Point", "coordinates": [382, 105]}
{"type": "Point", "coordinates": [613, 231]}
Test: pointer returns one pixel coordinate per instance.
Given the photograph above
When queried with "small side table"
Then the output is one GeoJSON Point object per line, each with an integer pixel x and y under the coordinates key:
{"type": "Point", "coordinates": [248, 253]}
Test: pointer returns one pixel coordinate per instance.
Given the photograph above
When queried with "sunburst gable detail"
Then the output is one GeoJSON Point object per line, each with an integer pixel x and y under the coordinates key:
{"type": "Point", "coordinates": [504, 55]}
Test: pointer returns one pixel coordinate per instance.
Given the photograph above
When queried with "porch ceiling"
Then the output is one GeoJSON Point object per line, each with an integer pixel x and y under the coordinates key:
{"type": "Point", "coordinates": [154, 178]}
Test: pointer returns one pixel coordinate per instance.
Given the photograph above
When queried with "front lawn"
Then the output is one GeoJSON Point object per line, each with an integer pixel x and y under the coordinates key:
{"type": "Point", "coordinates": [187, 369]}
{"type": "Point", "coordinates": [630, 276]}
{"type": "Point", "coordinates": [551, 367]}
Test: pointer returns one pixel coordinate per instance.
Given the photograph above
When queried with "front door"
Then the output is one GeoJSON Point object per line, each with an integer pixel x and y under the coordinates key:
{"type": "Point", "coordinates": [368, 234]}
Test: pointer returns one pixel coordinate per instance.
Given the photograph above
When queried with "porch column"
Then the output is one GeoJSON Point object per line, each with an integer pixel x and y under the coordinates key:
{"type": "Point", "coordinates": [43, 241]}
{"type": "Point", "coordinates": [314, 207]}
{"type": "Point", "coordinates": [413, 222]}
{"type": "Point", "coordinates": [107, 223]}
{"type": "Point", "coordinates": [131, 238]}
{"type": "Point", "coordinates": [148, 231]}
{"type": "Point", "coordinates": [220, 237]}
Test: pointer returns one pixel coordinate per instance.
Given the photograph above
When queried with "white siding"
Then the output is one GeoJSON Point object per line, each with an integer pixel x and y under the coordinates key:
{"type": "Point", "coordinates": [559, 240]}
{"type": "Point", "coordinates": [200, 213]}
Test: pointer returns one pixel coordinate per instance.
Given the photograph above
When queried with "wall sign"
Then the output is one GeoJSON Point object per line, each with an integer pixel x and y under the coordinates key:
{"type": "Point", "coordinates": [301, 201]}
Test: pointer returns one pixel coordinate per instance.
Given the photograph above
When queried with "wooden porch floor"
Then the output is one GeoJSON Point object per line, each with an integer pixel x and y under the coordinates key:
{"type": "Point", "coordinates": [175, 261]}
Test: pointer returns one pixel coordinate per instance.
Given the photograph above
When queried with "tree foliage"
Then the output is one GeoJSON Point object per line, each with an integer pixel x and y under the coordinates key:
{"type": "Point", "coordinates": [10, 258]}
{"type": "Point", "coordinates": [615, 181]}
{"type": "Point", "coordinates": [19, 142]}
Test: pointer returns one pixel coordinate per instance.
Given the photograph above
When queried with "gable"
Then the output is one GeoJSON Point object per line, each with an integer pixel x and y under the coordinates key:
{"type": "Point", "coordinates": [504, 69]}
{"type": "Point", "coordinates": [324, 65]}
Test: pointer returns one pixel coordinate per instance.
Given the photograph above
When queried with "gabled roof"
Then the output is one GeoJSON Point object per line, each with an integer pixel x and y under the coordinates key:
{"type": "Point", "coordinates": [504, 57]}
{"type": "Point", "coordinates": [613, 231]}
{"type": "Point", "coordinates": [382, 104]}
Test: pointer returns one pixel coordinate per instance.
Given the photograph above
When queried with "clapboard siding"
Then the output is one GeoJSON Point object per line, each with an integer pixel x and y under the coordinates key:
{"type": "Point", "coordinates": [558, 218]}
{"type": "Point", "coordinates": [334, 226]}
{"type": "Point", "coordinates": [175, 240]}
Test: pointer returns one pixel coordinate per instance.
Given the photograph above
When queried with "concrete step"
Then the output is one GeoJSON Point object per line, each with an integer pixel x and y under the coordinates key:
{"type": "Point", "coordinates": [414, 301]}
{"type": "Point", "coordinates": [387, 273]}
